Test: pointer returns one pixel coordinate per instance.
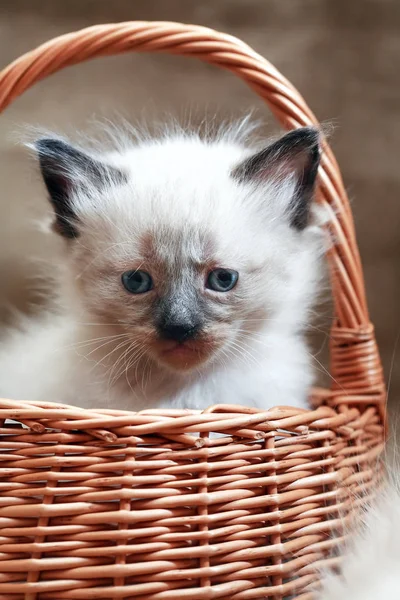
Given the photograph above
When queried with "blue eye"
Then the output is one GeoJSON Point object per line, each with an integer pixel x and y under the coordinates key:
{"type": "Point", "coordinates": [137, 282]}
{"type": "Point", "coordinates": [222, 280]}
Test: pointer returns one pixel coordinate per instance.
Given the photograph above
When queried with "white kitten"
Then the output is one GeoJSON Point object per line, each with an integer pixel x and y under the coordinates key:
{"type": "Point", "coordinates": [371, 567]}
{"type": "Point", "coordinates": [190, 266]}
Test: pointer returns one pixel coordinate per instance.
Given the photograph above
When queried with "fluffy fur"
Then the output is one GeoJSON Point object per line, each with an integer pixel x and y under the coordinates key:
{"type": "Point", "coordinates": [176, 207]}
{"type": "Point", "coordinates": [371, 568]}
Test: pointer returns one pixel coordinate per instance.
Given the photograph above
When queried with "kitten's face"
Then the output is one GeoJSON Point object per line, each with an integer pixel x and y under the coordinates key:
{"type": "Point", "coordinates": [178, 256]}
{"type": "Point", "coordinates": [177, 293]}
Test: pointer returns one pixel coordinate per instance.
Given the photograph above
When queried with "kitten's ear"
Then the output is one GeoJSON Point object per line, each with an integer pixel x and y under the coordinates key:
{"type": "Point", "coordinates": [295, 157]}
{"type": "Point", "coordinates": [66, 169]}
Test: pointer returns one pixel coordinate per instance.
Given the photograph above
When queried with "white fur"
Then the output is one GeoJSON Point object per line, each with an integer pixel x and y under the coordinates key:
{"type": "Point", "coordinates": [184, 182]}
{"type": "Point", "coordinates": [371, 567]}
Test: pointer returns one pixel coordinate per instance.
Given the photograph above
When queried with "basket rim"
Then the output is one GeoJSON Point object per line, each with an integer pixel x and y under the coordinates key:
{"type": "Point", "coordinates": [250, 423]}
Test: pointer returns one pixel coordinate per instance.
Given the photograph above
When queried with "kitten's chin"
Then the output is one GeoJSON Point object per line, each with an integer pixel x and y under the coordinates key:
{"type": "Point", "coordinates": [184, 357]}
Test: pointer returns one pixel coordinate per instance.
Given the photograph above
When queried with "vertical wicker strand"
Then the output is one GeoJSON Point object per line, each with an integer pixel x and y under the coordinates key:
{"type": "Point", "coordinates": [275, 538]}
{"type": "Point", "coordinates": [33, 576]}
{"type": "Point", "coordinates": [124, 505]}
{"type": "Point", "coordinates": [203, 512]}
{"type": "Point", "coordinates": [330, 487]}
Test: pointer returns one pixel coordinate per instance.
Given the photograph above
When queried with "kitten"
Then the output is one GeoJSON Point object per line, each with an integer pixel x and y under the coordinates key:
{"type": "Point", "coordinates": [370, 570]}
{"type": "Point", "coordinates": [189, 270]}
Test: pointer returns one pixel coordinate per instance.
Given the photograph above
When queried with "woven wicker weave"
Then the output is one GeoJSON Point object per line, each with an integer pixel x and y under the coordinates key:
{"type": "Point", "coordinates": [117, 505]}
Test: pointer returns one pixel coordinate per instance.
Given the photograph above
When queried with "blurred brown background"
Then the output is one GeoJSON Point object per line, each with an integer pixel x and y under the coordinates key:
{"type": "Point", "coordinates": [342, 55]}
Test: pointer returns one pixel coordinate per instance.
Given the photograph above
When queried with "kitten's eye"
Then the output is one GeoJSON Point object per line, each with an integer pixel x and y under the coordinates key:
{"type": "Point", "coordinates": [222, 280]}
{"type": "Point", "coordinates": [137, 282]}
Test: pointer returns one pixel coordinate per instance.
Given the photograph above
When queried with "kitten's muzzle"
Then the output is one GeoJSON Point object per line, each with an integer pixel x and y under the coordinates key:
{"type": "Point", "coordinates": [179, 332]}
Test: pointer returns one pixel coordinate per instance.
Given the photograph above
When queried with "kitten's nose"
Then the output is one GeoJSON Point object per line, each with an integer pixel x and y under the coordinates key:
{"type": "Point", "coordinates": [179, 332]}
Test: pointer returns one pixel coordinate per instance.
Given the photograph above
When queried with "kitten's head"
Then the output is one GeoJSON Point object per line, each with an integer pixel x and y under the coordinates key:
{"type": "Point", "coordinates": [190, 247]}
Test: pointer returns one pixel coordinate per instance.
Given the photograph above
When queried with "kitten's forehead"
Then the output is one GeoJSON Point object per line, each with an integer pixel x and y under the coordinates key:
{"type": "Point", "coordinates": [179, 158]}
{"type": "Point", "coordinates": [177, 247]}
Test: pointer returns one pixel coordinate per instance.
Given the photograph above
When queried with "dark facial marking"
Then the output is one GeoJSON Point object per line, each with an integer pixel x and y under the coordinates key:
{"type": "Point", "coordinates": [180, 315]}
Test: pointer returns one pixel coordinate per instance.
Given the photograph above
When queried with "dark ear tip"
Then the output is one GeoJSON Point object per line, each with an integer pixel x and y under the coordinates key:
{"type": "Point", "coordinates": [308, 139]}
{"type": "Point", "coordinates": [50, 146]}
{"type": "Point", "coordinates": [307, 136]}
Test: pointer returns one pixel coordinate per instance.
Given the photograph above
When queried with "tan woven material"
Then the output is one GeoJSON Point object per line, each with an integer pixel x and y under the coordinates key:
{"type": "Point", "coordinates": [153, 506]}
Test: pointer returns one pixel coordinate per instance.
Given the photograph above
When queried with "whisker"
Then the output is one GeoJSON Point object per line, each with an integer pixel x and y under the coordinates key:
{"type": "Point", "coordinates": [109, 340]}
{"type": "Point", "coordinates": [304, 324]}
{"type": "Point", "coordinates": [104, 358]}
{"type": "Point", "coordinates": [121, 359]}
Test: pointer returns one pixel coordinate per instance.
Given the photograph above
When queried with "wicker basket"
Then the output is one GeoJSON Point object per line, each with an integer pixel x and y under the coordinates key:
{"type": "Point", "coordinates": [119, 505]}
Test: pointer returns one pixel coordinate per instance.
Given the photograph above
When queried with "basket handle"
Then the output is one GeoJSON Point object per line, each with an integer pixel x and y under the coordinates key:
{"type": "Point", "coordinates": [355, 363]}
